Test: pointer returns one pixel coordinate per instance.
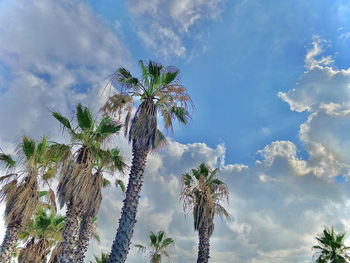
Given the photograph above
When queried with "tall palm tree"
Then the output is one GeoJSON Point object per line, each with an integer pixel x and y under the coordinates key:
{"type": "Point", "coordinates": [106, 161]}
{"type": "Point", "coordinates": [40, 236]}
{"type": "Point", "coordinates": [158, 91]}
{"type": "Point", "coordinates": [158, 246]}
{"type": "Point", "coordinates": [79, 188]}
{"type": "Point", "coordinates": [20, 188]}
{"type": "Point", "coordinates": [202, 192]}
{"type": "Point", "coordinates": [331, 248]}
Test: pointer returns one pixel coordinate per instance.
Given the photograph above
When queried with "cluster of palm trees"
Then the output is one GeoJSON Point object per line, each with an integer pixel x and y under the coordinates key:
{"type": "Point", "coordinates": [85, 165]}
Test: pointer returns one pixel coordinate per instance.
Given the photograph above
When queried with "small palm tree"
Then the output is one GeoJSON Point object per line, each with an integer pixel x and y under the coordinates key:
{"type": "Point", "coordinates": [331, 248]}
{"type": "Point", "coordinates": [40, 236]}
{"type": "Point", "coordinates": [158, 246]}
{"type": "Point", "coordinates": [102, 259]}
{"type": "Point", "coordinates": [157, 91]}
{"type": "Point", "coordinates": [20, 188]}
{"type": "Point", "coordinates": [79, 187]}
{"type": "Point", "coordinates": [202, 193]}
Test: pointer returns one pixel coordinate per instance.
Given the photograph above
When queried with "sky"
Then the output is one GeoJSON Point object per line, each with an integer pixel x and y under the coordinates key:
{"type": "Point", "coordinates": [270, 81]}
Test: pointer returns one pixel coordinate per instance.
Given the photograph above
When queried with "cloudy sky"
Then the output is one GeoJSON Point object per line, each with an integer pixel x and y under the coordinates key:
{"type": "Point", "coordinates": [271, 85]}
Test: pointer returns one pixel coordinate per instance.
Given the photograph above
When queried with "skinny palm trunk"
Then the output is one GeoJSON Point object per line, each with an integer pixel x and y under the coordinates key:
{"type": "Point", "coordinates": [71, 235]}
{"type": "Point", "coordinates": [203, 246]}
{"type": "Point", "coordinates": [121, 244]}
{"type": "Point", "coordinates": [9, 243]}
{"type": "Point", "coordinates": [84, 236]}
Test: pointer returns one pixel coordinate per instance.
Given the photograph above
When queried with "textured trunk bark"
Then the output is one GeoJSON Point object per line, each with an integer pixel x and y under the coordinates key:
{"type": "Point", "coordinates": [71, 235]}
{"type": "Point", "coordinates": [203, 246]}
{"type": "Point", "coordinates": [84, 236]}
{"type": "Point", "coordinates": [121, 244]}
{"type": "Point", "coordinates": [9, 243]}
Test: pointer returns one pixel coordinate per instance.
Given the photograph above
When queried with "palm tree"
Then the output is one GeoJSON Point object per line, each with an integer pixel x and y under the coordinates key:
{"type": "Point", "coordinates": [20, 189]}
{"type": "Point", "coordinates": [158, 90]}
{"type": "Point", "coordinates": [105, 161]}
{"type": "Point", "coordinates": [102, 259]}
{"type": "Point", "coordinates": [79, 188]}
{"type": "Point", "coordinates": [40, 236]}
{"type": "Point", "coordinates": [202, 193]}
{"type": "Point", "coordinates": [159, 245]}
{"type": "Point", "coordinates": [331, 248]}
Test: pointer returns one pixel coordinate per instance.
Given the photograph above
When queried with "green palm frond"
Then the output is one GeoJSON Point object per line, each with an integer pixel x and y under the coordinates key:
{"type": "Point", "coordinates": [106, 183]}
{"type": "Point", "coordinates": [41, 148]}
{"type": "Point", "coordinates": [63, 120]}
{"type": "Point", "coordinates": [121, 184]}
{"type": "Point", "coordinates": [6, 161]}
{"type": "Point", "coordinates": [181, 114]}
{"type": "Point", "coordinates": [84, 117]}
{"type": "Point", "coordinates": [125, 78]}
{"type": "Point", "coordinates": [107, 127]}
{"type": "Point", "coordinates": [28, 147]}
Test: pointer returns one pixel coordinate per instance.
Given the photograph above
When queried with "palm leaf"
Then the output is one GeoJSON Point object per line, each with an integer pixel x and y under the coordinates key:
{"type": "Point", "coordinates": [107, 127]}
{"type": "Point", "coordinates": [63, 120]}
{"type": "Point", "coordinates": [6, 161]}
{"type": "Point", "coordinates": [28, 147]}
{"type": "Point", "coordinates": [84, 117]}
{"type": "Point", "coordinates": [121, 184]}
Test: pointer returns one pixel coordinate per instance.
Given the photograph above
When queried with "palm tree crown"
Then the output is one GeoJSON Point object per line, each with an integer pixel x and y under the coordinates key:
{"type": "Point", "coordinates": [158, 245]}
{"type": "Point", "coordinates": [20, 188]}
{"type": "Point", "coordinates": [331, 248]}
{"type": "Point", "coordinates": [158, 89]}
{"type": "Point", "coordinates": [78, 180]}
{"type": "Point", "coordinates": [40, 235]}
{"type": "Point", "coordinates": [202, 193]}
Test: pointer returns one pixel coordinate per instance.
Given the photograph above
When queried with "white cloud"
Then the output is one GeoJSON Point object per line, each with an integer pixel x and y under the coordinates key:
{"type": "Point", "coordinates": [164, 25]}
{"type": "Point", "coordinates": [54, 51]}
{"type": "Point", "coordinates": [324, 92]}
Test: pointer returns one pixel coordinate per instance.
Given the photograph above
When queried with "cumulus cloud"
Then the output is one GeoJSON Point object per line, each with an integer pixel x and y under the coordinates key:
{"type": "Point", "coordinates": [165, 25]}
{"type": "Point", "coordinates": [53, 53]}
{"type": "Point", "coordinates": [324, 92]}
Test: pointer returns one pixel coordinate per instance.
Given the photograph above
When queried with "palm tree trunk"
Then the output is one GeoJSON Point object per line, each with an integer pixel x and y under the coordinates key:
{"type": "Point", "coordinates": [121, 244]}
{"type": "Point", "coordinates": [9, 243]}
{"type": "Point", "coordinates": [84, 236]}
{"type": "Point", "coordinates": [71, 235]}
{"type": "Point", "coordinates": [203, 246]}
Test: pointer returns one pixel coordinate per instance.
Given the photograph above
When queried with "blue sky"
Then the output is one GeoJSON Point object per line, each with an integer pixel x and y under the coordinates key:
{"type": "Point", "coordinates": [271, 86]}
{"type": "Point", "coordinates": [236, 64]}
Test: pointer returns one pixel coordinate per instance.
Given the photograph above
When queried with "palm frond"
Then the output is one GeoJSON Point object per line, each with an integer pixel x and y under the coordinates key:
{"type": "Point", "coordinates": [63, 120]}
{"type": "Point", "coordinates": [28, 147]}
{"type": "Point", "coordinates": [107, 127]}
{"type": "Point", "coordinates": [6, 161]}
{"type": "Point", "coordinates": [121, 184]}
{"type": "Point", "coordinates": [84, 117]}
